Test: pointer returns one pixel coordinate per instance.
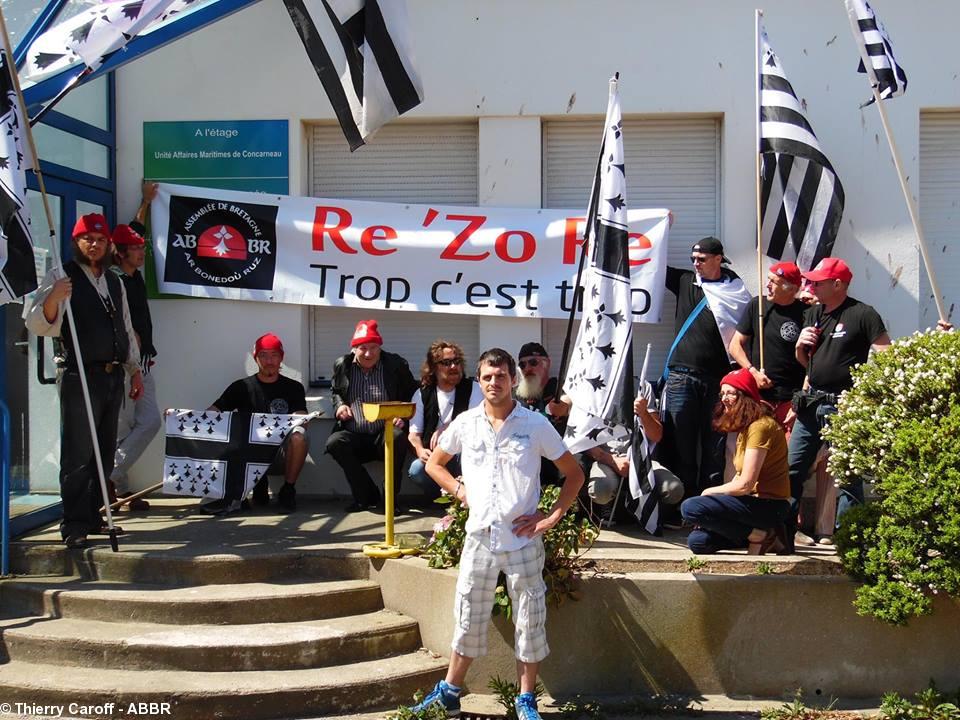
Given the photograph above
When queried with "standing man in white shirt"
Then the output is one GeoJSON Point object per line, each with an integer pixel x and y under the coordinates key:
{"type": "Point", "coordinates": [445, 392]}
{"type": "Point", "coordinates": [501, 445]}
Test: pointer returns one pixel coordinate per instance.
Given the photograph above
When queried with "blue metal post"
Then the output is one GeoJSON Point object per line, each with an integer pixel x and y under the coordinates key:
{"type": "Point", "coordinates": [5, 487]}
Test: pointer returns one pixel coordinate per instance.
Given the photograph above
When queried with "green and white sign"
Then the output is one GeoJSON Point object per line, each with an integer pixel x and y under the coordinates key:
{"type": "Point", "coordinates": [251, 155]}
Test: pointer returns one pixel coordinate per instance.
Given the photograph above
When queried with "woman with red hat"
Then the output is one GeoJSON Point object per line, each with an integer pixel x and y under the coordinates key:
{"type": "Point", "coordinates": [749, 510]}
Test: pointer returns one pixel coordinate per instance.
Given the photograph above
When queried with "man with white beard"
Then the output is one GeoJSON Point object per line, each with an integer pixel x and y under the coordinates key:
{"type": "Point", "coordinates": [537, 391]}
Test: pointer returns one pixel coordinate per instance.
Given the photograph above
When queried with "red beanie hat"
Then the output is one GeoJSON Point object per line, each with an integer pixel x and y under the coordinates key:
{"type": "Point", "coordinates": [366, 332]}
{"type": "Point", "coordinates": [126, 235]}
{"type": "Point", "coordinates": [743, 381]}
{"type": "Point", "coordinates": [268, 342]}
{"type": "Point", "coordinates": [92, 223]}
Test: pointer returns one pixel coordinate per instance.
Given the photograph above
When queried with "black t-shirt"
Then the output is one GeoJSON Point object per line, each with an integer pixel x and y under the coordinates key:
{"type": "Point", "coordinates": [701, 347]}
{"type": "Point", "coordinates": [781, 327]}
{"type": "Point", "coordinates": [846, 335]}
{"type": "Point", "coordinates": [285, 396]}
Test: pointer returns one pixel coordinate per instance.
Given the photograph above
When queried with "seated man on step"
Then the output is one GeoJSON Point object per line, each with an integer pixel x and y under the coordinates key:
{"type": "Point", "coordinates": [268, 391]}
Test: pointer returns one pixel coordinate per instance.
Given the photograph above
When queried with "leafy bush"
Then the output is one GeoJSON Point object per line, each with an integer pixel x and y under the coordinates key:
{"type": "Point", "coordinates": [898, 427]}
{"type": "Point", "coordinates": [929, 704]}
{"type": "Point", "coordinates": [561, 544]}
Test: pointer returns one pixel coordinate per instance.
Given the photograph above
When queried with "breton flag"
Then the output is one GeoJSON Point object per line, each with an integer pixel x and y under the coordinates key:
{"type": "Point", "coordinates": [361, 52]}
{"type": "Point", "coordinates": [884, 72]}
{"type": "Point", "coordinates": [220, 456]}
{"type": "Point", "coordinates": [599, 380]}
{"type": "Point", "coordinates": [801, 200]}
{"type": "Point", "coordinates": [643, 483]}
{"type": "Point", "coordinates": [18, 270]}
{"type": "Point", "coordinates": [92, 35]}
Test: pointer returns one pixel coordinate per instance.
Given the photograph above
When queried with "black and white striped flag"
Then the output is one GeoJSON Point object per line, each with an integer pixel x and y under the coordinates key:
{"type": "Point", "coordinates": [884, 71]}
{"type": "Point", "coordinates": [599, 380]}
{"type": "Point", "coordinates": [801, 198]}
{"type": "Point", "coordinates": [18, 270]}
{"type": "Point", "coordinates": [361, 52]}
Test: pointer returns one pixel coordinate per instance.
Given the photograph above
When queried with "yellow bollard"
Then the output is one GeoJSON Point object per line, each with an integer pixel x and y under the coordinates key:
{"type": "Point", "coordinates": [387, 411]}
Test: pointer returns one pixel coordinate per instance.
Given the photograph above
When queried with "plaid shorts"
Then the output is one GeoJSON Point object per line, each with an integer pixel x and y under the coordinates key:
{"type": "Point", "coordinates": [476, 587]}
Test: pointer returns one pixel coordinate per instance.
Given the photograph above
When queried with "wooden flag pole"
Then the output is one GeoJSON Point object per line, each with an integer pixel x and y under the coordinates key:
{"type": "Point", "coordinates": [757, 81]}
{"type": "Point", "coordinates": [895, 153]}
{"type": "Point", "coordinates": [56, 254]}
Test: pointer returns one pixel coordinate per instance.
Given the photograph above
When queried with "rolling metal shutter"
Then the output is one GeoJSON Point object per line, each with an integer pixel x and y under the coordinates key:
{"type": "Point", "coordinates": [940, 209]}
{"type": "Point", "coordinates": [416, 163]}
{"type": "Point", "coordinates": [672, 162]}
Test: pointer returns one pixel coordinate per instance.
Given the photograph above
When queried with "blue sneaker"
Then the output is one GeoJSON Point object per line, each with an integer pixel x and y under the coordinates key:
{"type": "Point", "coordinates": [445, 694]}
{"type": "Point", "coordinates": [526, 705]}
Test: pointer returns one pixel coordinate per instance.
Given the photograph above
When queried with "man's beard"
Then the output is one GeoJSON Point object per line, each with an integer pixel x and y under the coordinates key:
{"type": "Point", "coordinates": [530, 388]}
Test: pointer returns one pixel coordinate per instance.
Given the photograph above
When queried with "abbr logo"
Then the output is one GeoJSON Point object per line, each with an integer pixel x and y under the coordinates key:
{"type": "Point", "coordinates": [222, 242]}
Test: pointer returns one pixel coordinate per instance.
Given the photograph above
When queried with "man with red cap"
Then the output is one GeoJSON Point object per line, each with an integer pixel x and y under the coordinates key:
{"type": "Point", "coordinates": [781, 375]}
{"type": "Point", "coordinates": [368, 373]}
{"type": "Point", "coordinates": [267, 391]}
{"type": "Point", "coordinates": [139, 421]}
{"type": "Point", "coordinates": [838, 333]}
{"type": "Point", "coordinates": [108, 346]}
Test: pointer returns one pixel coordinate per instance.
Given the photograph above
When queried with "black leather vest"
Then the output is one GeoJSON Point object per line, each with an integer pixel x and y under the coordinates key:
{"type": "Point", "coordinates": [103, 338]}
{"type": "Point", "coordinates": [431, 408]}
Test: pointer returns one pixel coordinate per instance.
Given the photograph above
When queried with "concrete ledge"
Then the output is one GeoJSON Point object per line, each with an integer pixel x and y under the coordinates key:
{"type": "Point", "coordinates": [754, 635]}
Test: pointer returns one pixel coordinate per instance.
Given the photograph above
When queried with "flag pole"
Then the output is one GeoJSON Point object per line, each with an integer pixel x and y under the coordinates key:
{"type": "Point", "coordinates": [14, 76]}
{"type": "Point", "coordinates": [77, 80]}
{"type": "Point", "coordinates": [757, 81]}
{"type": "Point", "coordinates": [898, 164]}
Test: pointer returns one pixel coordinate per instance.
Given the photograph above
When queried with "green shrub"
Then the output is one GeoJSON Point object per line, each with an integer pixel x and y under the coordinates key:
{"type": "Point", "coordinates": [562, 544]}
{"type": "Point", "coordinates": [898, 427]}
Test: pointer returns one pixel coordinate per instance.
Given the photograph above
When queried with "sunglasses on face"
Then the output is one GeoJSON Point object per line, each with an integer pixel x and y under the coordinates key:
{"type": "Point", "coordinates": [697, 259]}
{"type": "Point", "coordinates": [524, 363]}
{"type": "Point", "coordinates": [450, 362]}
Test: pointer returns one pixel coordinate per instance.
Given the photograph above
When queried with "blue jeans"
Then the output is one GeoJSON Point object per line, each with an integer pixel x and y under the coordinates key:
{"type": "Point", "coordinates": [805, 443]}
{"type": "Point", "coordinates": [723, 522]}
{"type": "Point", "coordinates": [690, 447]}
{"type": "Point", "coordinates": [426, 485]}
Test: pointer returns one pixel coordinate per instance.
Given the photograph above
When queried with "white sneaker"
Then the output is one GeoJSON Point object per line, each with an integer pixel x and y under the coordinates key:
{"type": "Point", "coordinates": [801, 538]}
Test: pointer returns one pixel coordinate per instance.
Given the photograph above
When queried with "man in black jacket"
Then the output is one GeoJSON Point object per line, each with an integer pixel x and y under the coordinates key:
{"type": "Point", "coordinates": [139, 421]}
{"type": "Point", "coordinates": [367, 374]}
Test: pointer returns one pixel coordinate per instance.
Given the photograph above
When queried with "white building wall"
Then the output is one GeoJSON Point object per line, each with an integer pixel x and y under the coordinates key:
{"type": "Point", "coordinates": [511, 64]}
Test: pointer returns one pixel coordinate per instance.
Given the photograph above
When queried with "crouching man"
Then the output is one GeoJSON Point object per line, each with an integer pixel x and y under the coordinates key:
{"type": "Point", "coordinates": [500, 444]}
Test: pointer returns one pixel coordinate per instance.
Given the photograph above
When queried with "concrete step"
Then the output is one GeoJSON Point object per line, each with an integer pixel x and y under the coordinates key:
{"type": "Point", "coordinates": [166, 565]}
{"type": "Point", "coordinates": [259, 695]}
{"type": "Point", "coordinates": [240, 603]}
{"type": "Point", "coordinates": [209, 648]}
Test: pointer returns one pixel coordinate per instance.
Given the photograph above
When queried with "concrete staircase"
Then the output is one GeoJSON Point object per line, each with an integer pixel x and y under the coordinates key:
{"type": "Point", "coordinates": [282, 635]}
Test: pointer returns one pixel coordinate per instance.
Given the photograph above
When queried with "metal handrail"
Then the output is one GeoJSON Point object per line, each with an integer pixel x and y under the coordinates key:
{"type": "Point", "coordinates": [5, 487]}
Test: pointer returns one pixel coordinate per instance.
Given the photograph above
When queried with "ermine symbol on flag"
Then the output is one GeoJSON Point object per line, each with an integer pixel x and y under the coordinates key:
{"type": "Point", "coordinates": [222, 242]}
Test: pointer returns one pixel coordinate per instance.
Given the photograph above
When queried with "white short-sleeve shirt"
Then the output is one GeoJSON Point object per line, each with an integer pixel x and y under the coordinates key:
{"type": "Point", "coordinates": [501, 470]}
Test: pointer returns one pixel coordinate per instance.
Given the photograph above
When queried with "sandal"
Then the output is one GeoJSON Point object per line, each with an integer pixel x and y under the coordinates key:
{"type": "Point", "coordinates": [766, 541]}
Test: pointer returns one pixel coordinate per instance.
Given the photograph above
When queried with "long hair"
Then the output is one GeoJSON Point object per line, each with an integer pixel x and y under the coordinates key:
{"type": "Point", "coordinates": [739, 416]}
{"type": "Point", "coordinates": [434, 356]}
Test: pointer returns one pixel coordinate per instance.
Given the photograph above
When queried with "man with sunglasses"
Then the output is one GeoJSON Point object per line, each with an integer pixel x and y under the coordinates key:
{"type": "Point", "coordinates": [108, 347]}
{"type": "Point", "coordinates": [710, 302]}
{"type": "Point", "coordinates": [537, 391]}
{"type": "Point", "coordinates": [445, 392]}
